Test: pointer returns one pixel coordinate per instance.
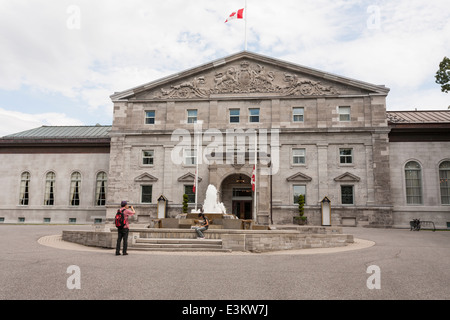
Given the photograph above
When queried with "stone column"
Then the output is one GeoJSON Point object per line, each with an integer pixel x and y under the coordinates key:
{"type": "Point", "coordinates": [322, 170]}
{"type": "Point", "coordinates": [167, 178]}
{"type": "Point", "coordinates": [382, 184]}
{"type": "Point", "coordinates": [381, 171]}
{"type": "Point", "coordinates": [369, 173]}
{"type": "Point", "coordinates": [263, 198]}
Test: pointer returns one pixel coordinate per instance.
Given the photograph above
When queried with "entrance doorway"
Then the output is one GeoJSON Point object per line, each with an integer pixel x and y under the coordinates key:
{"type": "Point", "coordinates": [242, 209]}
{"type": "Point", "coordinates": [242, 202]}
{"type": "Point", "coordinates": [237, 196]}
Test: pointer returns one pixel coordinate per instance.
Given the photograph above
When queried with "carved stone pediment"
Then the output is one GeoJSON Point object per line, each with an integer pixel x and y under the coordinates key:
{"type": "Point", "coordinates": [188, 89]}
{"type": "Point", "coordinates": [249, 75]}
{"type": "Point", "coordinates": [347, 177]}
{"type": "Point", "coordinates": [146, 177]}
{"type": "Point", "coordinates": [246, 77]}
{"type": "Point", "coordinates": [188, 177]}
{"type": "Point", "coordinates": [299, 177]}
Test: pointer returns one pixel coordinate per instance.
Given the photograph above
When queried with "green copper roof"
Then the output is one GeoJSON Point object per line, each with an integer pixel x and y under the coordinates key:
{"type": "Point", "coordinates": [70, 132]}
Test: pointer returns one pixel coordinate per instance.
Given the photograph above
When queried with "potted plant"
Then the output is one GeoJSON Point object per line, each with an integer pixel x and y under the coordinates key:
{"type": "Point", "coordinates": [185, 203]}
{"type": "Point", "coordinates": [301, 219]}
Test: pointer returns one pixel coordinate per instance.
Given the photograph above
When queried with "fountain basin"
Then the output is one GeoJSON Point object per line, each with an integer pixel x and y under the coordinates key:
{"type": "Point", "coordinates": [235, 240]}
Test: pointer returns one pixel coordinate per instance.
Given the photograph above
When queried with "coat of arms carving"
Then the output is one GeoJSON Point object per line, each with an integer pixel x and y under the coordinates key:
{"type": "Point", "coordinates": [246, 78]}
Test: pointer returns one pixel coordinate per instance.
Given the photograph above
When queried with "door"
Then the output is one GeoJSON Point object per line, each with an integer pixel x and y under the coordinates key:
{"type": "Point", "coordinates": [161, 209]}
{"type": "Point", "coordinates": [326, 213]}
{"type": "Point", "coordinates": [242, 209]}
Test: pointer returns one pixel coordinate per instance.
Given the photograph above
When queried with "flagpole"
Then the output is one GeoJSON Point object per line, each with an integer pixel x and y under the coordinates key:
{"type": "Point", "coordinates": [256, 170]}
{"type": "Point", "coordinates": [246, 15]}
{"type": "Point", "coordinates": [196, 171]}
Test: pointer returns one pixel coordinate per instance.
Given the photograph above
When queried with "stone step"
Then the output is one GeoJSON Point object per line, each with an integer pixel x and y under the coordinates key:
{"type": "Point", "coordinates": [179, 241]}
{"type": "Point", "coordinates": [172, 244]}
{"type": "Point", "coordinates": [166, 249]}
{"type": "Point", "coordinates": [177, 245]}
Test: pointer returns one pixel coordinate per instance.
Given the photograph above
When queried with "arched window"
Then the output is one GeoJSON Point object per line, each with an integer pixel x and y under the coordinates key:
{"type": "Point", "coordinates": [413, 177]}
{"type": "Point", "coordinates": [444, 176]}
{"type": "Point", "coordinates": [24, 189]}
{"type": "Point", "coordinates": [100, 190]}
{"type": "Point", "coordinates": [49, 198]}
{"type": "Point", "coordinates": [75, 189]}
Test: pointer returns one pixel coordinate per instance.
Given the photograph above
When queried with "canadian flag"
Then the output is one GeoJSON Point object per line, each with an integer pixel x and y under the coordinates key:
{"type": "Point", "coordinates": [236, 15]}
{"type": "Point", "coordinates": [254, 178]}
{"type": "Point", "coordinates": [195, 182]}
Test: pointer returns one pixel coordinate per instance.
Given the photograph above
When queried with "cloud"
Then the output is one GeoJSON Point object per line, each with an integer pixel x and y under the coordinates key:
{"type": "Point", "coordinates": [13, 121]}
{"type": "Point", "coordinates": [122, 44]}
{"type": "Point", "coordinates": [427, 99]}
{"type": "Point", "coordinates": [118, 44]}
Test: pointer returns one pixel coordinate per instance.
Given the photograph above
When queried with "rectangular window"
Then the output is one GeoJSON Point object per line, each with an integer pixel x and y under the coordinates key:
{"type": "Point", "coordinates": [150, 117]}
{"type": "Point", "coordinates": [190, 157]}
{"type": "Point", "coordinates": [299, 190]}
{"type": "Point", "coordinates": [298, 156]}
{"type": "Point", "coordinates": [47, 220]}
{"type": "Point", "coordinates": [72, 220]}
{"type": "Point", "coordinates": [346, 156]}
{"type": "Point", "coordinates": [254, 115]}
{"type": "Point", "coordinates": [21, 220]}
{"type": "Point", "coordinates": [298, 114]}
{"type": "Point", "coordinates": [146, 194]}
{"type": "Point", "coordinates": [344, 114]}
{"type": "Point", "coordinates": [235, 115]}
{"type": "Point", "coordinates": [147, 157]}
{"type": "Point", "coordinates": [242, 193]}
{"type": "Point", "coordinates": [347, 194]}
{"type": "Point", "coordinates": [192, 116]}
{"type": "Point", "coordinates": [2, 219]}
{"type": "Point", "coordinates": [190, 193]}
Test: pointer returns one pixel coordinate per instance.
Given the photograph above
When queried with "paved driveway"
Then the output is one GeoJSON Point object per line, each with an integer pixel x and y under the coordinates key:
{"type": "Point", "coordinates": [411, 265]}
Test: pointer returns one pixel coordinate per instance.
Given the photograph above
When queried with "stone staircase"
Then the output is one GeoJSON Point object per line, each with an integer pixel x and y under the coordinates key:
{"type": "Point", "coordinates": [173, 244]}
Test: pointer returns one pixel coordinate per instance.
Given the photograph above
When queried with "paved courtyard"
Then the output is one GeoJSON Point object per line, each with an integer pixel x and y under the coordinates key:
{"type": "Point", "coordinates": [412, 265]}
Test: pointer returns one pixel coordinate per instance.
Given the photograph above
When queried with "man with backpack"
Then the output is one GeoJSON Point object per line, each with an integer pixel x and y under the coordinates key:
{"type": "Point", "coordinates": [123, 227]}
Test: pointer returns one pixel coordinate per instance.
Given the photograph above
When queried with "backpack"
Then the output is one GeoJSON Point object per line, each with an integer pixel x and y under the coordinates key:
{"type": "Point", "coordinates": [120, 219]}
{"type": "Point", "coordinates": [204, 223]}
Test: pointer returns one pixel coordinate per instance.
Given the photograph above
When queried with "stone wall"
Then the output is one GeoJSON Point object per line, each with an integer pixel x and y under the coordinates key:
{"type": "Point", "coordinates": [63, 165]}
{"type": "Point", "coordinates": [91, 238]}
{"type": "Point", "coordinates": [236, 240]}
{"type": "Point", "coordinates": [429, 155]}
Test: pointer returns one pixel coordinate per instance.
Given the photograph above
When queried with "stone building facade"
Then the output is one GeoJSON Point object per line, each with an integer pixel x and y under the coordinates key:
{"type": "Point", "coordinates": [328, 137]}
{"type": "Point", "coordinates": [420, 166]}
{"type": "Point", "coordinates": [318, 134]}
{"type": "Point", "coordinates": [55, 175]}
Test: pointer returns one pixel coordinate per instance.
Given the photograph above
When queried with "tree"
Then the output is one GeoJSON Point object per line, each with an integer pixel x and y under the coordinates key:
{"type": "Point", "coordinates": [185, 203]}
{"type": "Point", "coordinates": [301, 204]}
{"type": "Point", "coordinates": [301, 210]}
{"type": "Point", "coordinates": [443, 75]}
